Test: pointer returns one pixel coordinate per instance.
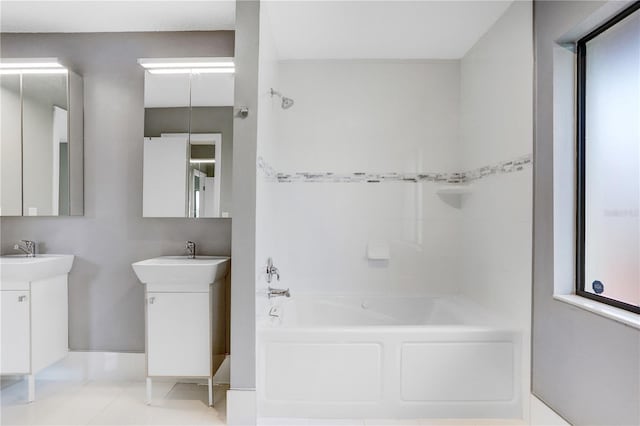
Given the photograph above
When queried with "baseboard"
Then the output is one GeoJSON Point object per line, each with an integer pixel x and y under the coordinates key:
{"type": "Point", "coordinates": [79, 365]}
{"type": "Point", "coordinates": [241, 407]}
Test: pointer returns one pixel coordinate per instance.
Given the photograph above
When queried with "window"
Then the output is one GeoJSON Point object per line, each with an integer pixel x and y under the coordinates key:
{"type": "Point", "coordinates": [608, 162]}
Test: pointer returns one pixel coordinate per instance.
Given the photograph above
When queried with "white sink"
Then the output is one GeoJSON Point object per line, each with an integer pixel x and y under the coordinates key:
{"type": "Point", "coordinates": [22, 268]}
{"type": "Point", "coordinates": [181, 269]}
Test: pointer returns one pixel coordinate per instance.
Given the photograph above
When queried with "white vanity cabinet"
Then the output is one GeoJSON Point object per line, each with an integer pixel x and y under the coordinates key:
{"type": "Point", "coordinates": [185, 314]}
{"type": "Point", "coordinates": [178, 334]}
{"type": "Point", "coordinates": [34, 315]}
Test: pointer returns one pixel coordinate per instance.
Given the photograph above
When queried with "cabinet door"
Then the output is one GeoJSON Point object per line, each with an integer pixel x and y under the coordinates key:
{"type": "Point", "coordinates": [178, 334]}
{"type": "Point", "coordinates": [14, 352]}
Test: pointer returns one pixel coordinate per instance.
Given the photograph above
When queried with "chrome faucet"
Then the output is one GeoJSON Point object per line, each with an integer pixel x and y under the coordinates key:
{"type": "Point", "coordinates": [27, 247]}
{"type": "Point", "coordinates": [191, 249]}
{"type": "Point", "coordinates": [278, 292]}
{"type": "Point", "coordinates": [271, 271]}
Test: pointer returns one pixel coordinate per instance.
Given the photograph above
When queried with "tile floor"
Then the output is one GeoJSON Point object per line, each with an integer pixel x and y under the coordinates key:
{"type": "Point", "coordinates": [388, 422]}
{"type": "Point", "coordinates": [111, 403]}
{"type": "Point", "coordinates": [100, 402]}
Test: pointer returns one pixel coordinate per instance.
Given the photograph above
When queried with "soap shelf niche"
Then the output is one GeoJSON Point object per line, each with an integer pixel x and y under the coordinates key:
{"type": "Point", "coordinates": [454, 194]}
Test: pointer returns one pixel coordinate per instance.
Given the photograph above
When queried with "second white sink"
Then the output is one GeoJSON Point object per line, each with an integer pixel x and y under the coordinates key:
{"type": "Point", "coordinates": [27, 269]}
{"type": "Point", "coordinates": [181, 269]}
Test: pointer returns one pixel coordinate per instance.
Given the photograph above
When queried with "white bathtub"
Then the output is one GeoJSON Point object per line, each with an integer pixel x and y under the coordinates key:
{"type": "Point", "coordinates": [379, 357]}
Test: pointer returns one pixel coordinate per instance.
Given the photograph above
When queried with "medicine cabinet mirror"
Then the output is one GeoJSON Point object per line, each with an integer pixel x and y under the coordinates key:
{"type": "Point", "coordinates": [41, 142]}
{"type": "Point", "coordinates": [188, 137]}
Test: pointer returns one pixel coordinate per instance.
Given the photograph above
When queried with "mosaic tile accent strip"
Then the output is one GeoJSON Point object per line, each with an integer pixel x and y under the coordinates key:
{"type": "Point", "coordinates": [509, 166]}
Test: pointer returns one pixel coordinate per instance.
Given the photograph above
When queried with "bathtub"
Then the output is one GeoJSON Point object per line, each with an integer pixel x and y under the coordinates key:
{"type": "Point", "coordinates": [386, 357]}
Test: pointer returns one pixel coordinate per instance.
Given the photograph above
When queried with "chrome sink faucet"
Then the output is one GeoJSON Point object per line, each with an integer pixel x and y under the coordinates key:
{"type": "Point", "coordinates": [27, 247]}
{"type": "Point", "coordinates": [191, 249]}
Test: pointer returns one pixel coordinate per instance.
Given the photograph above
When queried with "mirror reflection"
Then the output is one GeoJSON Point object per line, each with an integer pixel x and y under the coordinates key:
{"type": "Point", "coordinates": [41, 145]}
{"type": "Point", "coordinates": [188, 140]}
{"type": "Point", "coordinates": [45, 142]}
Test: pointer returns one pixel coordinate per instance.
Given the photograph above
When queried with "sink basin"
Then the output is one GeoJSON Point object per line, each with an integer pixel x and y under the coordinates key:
{"type": "Point", "coordinates": [22, 268]}
{"type": "Point", "coordinates": [181, 269]}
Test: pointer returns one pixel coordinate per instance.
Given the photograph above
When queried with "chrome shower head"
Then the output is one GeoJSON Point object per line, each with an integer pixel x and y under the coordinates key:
{"type": "Point", "coordinates": [286, 102]}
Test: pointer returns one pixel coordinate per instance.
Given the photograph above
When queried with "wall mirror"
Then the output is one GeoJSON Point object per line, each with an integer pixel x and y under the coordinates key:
{"type": "Point", "coordinates": [41, 142]}
{"type": "Point", "coordinates": [188, 137]}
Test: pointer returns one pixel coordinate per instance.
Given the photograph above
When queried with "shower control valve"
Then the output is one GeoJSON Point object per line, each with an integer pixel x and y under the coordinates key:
{"type": "Point", "coordinates": [272, 271]}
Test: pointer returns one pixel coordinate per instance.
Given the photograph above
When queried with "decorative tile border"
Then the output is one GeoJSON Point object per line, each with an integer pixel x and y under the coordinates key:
{"type": "Point", "coordinates": [509, 166]}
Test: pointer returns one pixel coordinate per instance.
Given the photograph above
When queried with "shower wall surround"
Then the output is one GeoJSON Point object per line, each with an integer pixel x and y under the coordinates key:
{"type": "Point", "coordinates": [351, 117]}
{"type": "Point", "coordinates": [509, 166]}
{"type": "Point", "coordinates": [496, 123]}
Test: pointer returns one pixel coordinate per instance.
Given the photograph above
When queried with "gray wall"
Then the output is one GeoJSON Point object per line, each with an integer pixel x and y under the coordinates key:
{"type": "Point", "coordinates": [203, 120]}
{"type": "Point", "coordinates": [585, 367]}
{"type": "Point", "coordinates": [243, 296]}
{"type": "Point", "coordinates": [105, 298]}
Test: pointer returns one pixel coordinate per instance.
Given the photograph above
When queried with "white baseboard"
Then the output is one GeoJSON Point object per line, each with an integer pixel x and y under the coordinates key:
{"type": "Point", "coordinates": [241, 407]}
{"type": "Point", "coordinates": [116, 366]}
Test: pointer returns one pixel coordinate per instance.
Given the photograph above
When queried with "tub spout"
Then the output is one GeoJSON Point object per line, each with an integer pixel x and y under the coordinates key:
{"type": "Point", "coordinates": [278, 292]}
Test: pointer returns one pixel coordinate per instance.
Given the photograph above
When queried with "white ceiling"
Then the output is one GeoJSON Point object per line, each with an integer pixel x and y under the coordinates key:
{"type": "Point", "coordinates": [302, 29]}
{"type": "Point", "coordinates": [116, 16]}
{"type": "Point", "coordinates": [380, 29]}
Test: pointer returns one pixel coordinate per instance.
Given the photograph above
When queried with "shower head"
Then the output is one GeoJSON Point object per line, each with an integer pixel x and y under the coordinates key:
{"type": "Point", "coordinates": [286, 102]}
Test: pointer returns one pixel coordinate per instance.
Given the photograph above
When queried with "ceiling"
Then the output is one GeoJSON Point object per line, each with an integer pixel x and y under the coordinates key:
{"type": "Point", "coordinates": [302, 29]}
{"type": "Point", "coordinates": [116, 16]}
{"type": "Point", "coordinates": [380, 29]}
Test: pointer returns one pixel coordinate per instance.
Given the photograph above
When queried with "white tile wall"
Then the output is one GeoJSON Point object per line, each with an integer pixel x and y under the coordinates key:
{"type": "Point", "coordinates": [352, 116]}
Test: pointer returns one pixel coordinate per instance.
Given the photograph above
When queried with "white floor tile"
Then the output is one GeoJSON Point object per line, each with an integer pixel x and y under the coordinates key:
{"type": "Point", "coordinates": [541, 415]}
{"type": "Point", "coordinates": [447, 422]}
{"type": "Point", "coordinates": [392, 422]}
{"type": "Point", "coordinates": [335, 422]}
{"type": "Point", "coordinates": [112, 403]}
{"type": "Point", "coordinates": [281, 421]}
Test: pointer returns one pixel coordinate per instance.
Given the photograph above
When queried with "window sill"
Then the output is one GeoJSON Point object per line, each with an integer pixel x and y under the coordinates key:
{"type": "Point", "coordinates": [620, 315]}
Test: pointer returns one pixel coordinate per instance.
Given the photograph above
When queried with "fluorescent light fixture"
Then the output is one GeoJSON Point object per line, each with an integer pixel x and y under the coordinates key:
{"type": "Point", "coordinates": [203, 62]}
{"type": "Point", "coordinates": [187, 64]}
{"type": "Point", "coordinates": [204, 160]}
{"type": "Point", "coordinates": [31, 66]}
{"type": "Point", "coordinates": [13, 65]}
{"type": "Point", "coordinates": [192, 70]}
{"type": "Point", "coordinates": [15, 71]}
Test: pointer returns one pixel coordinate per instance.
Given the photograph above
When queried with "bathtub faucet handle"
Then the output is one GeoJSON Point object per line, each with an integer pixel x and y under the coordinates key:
{"type": "Point", "coordinates": [278, 292]}
{"type": "Point", "coordinates": [271, 271]}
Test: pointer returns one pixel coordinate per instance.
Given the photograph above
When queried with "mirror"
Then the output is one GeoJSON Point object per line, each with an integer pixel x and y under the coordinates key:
{"type": "Point", "coordinates": [41, 152]}
{"type": "Point", "coordinates": [188, 138]}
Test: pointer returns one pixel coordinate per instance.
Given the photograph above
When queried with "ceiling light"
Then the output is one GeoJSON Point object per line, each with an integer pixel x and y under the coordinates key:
{"type": "Point", "coordinates": [13, 65]}
{"type": "Point", "coordinates": [192, 70]}
{"type": "Point", "coordinates": [204, 160]}
{"type": "Point", "coordinates": [33, 71]}
{"type": "Point", "coordinates": [204, 62]}
{"type": "Point", "coordinates": [186, 64]}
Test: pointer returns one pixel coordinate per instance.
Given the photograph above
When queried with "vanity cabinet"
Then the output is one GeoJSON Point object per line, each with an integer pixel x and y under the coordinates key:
{"type": "Point", "coordinates": [14, 354]}
{"type": "Point", "coordinates": [185, 316]}
{"type": "Point", "coordinates": [34, 326]}
{"type": "Point", "coordinates": [178, 334]}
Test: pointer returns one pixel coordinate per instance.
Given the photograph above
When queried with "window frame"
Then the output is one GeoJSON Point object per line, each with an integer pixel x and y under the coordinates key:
{"type": "Point", "coordinates": [581, 55]}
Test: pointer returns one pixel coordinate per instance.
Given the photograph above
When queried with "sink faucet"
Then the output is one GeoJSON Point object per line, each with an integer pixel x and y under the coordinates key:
{"type": "Point", "coordinates": [191, 249]}
{"type": "Point", "coordinates": [278, 292]}
{"type": "Point", "coordinates": [27, 247]}
{"type": "Point", "coordinates": [271, 271]}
